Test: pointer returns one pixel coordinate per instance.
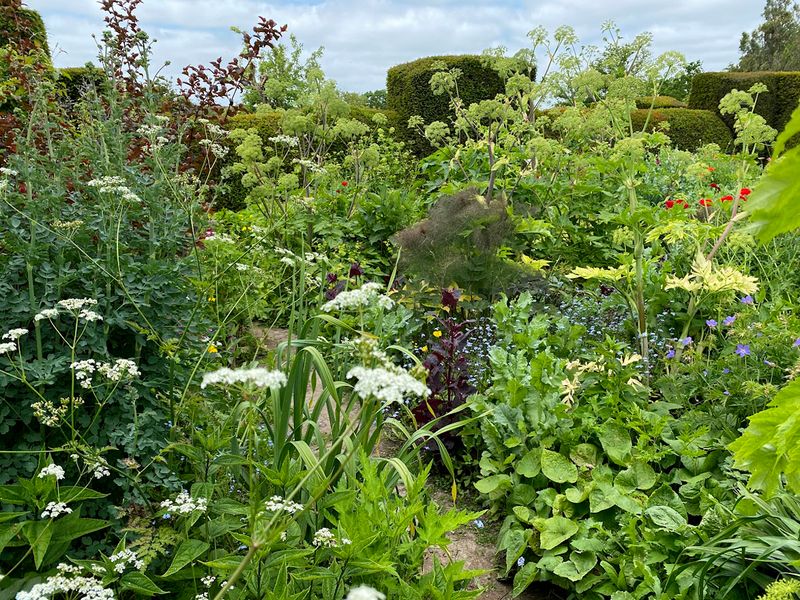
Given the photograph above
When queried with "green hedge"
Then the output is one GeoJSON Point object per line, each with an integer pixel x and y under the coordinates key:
{"type": "Point", "coordinates": [408, 92]}
{"type": "Point", "coordinates": [659, 102]}
{"type": "Point", "coordinates": [22, 25]}
{"type": "Point", "coordinates": [688, 129]}
{"type": "Point", "coordinates": [776, 106]}
{"type": "Point", "coordinates": [74, 81]}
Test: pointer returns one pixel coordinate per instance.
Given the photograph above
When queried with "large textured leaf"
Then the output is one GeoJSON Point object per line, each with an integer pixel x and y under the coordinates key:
{"type": "Point", "coordinates": [774, 205]}
{"type": "Point", "coordinates": [492, 483]}
{"type": "Point", "coordinates": [666, 518]}
{"type": "Point", "coordinates": [616, 442]}
{"type": "Point", "coordinates": [557, 467]}
{"type": "Point", "coordinates": [639, 475]}
{"type": "Point", "coordinates": [530, 465]}
{"type": "Point", "coordinates": [770, 446]}
{"type": "Point", "coordinates": [556, 530]}
{"type": "Point", "coordinates": [187, 552]}
{"type": "Point", "coordinates": [579, 565]}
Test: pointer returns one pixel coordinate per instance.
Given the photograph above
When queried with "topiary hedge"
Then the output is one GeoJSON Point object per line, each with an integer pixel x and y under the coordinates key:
{"type": "Point", "coordinates": [24, 28]}
{"type": "Point", "coordinates": [74, 81]}
{"type": "Point", "coordinates": [408, 92]}
{"type": "Point", "coordinates": [775, 106]}
{"type": "Point", "coordinates": [688, 129]}
{"type": "Point", "coordinates": [659, 102]}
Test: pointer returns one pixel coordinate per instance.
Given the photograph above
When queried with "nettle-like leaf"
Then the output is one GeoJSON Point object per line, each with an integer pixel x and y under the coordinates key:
{"type": "Point", "coordinates": [774, 202]}
{"type": "Point", "coordinates": [770, 446]}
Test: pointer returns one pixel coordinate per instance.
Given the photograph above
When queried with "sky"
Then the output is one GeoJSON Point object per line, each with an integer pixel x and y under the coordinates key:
{"type": "Point", "coordinates": [363, 38]}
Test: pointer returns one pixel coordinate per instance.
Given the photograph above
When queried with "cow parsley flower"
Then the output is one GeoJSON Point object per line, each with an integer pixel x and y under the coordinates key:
{"type": "Point", "coordinates": [363, 297]}
{"type": "Point", "coordinates": [113, 185]}
{"type": "Point", "coordinates": [76, 303]}
{"type": "Point", "coordinates": [8, 172]}
{"type": "Point", "coordinates": [15, 334]}
{"type": "Point", "coordinates": [185, 504]}
{"type": "Point", "coordinates": [278, 504]}
{"type": "Point", "coordinates": [257, 376]}
{"type": "Point", "coordinates": [121, 369]}
{"type": "Point", "coordinates": [7, 347]}
{"type": "Point", "coordinates": [52, 469]}
{"type": "Point", "coordinates": [55, 509]}
{"type": "Point", "coordinates": [364, 592]}
{"type": "Point", "coordinates": [387, 385]}
{"type": "Point", "coordinates": [47, 313]}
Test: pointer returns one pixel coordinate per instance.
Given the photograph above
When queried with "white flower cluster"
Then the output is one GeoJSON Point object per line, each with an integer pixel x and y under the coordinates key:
{"type": "Point", "coordinates": [324, 538]}
{"type": "Point", "coordinates": [149, 130]}
{"type": "Point", "coordinates": [289, 140]}
{"type": "Point", "coordinates": [47, 313]}
{"type": "Point", "coordinates": [244, 267]}
{"type": "Point", "coordinates": [8, 172]}
{"type": "Point", "coordinates": [59, 224]}
{"type": "Point", "coordinates": [368, 294]}
{"type": "Point", "coordinates": [185, 504]}
{"type": "Point", "coordinates": [121, 369]}
{"type": "Point", "coordinates": [389, 385]}
{"type": "Point", "coordinates": [7, 347]}
{"type": "Point", "coordinates": [258, 376]}
{"type": "Point", "coordinates": [113, 185]}
{"type": "Point", "coordinates": [310, 165]}
{"type": "Point", "coordinates": [221, 238]}
{"type": "Point", "coordinates": [75, 304]}
{"type": "Point", "coordinates": [364, 592]}
{"type": "Point", "coordinates": [278, 504]}
{"type": "Point", "coordinates": [100, 469]}
{"type": "Point", "coordinates": [54, 470]}
{"type": "Point", "coordinates": [67, 583]}
{"type": "Point", "coordinates": [208, 580]}
{"type": "Point", "coordinates": [216, 149]}
{"type": "Point", "coordinates": [49, 414]}
{"type": "Point", "coordinates": [55, 509]}
{"type": "Point", "coordinates": [15, 334]}
{"type": "Point", "coordinates": [126, 557]}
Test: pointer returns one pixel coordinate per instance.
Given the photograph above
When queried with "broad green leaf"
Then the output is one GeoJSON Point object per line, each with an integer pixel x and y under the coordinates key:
{"type": "Point", "coordinates": [524, 578]}
{"type": "Point", "coordinates": [666, 496]}
{"type": "Point", "coordinates": [492, 483]}
{"type": "Point", "coordinates": [616, 442]}
{"type": "Point", "coordinates": [530, 465]}
{"type": "Point", "coordinates": [140, 584]}
{"type": "Point", "coordinates": [578, 566]}
{"type": "Point", "coordinates": [666, 518]}
{"type": "Point", "coordinates": [577, 495]}
{"type": "Point", "coordinates": [523, 513]}
{"type": "Point", "coordinates": [38, 534]}
{"type": "Point", "coordinates": [773, 205]}
{"type": "Point", "coordinates": [769, 447]}
{"type": "Point", "coordinates": [10, 516]}
{"type": "Point", "coordinates": [558, 468]}
{"type": "Point", "coordinates": [584, 455]}
{"type": "Point", "coordinates": [555, 530]}
{"type": "Point", "coordinates": [602, 497]}
{"type": "Point", "coordinates": [639, 475]}
{"type": "Point", "coordinates": [189, 551]}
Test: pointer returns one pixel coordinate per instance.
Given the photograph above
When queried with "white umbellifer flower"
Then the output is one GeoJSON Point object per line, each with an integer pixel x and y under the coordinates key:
{"type": "Point", "coordinates": [47, 313]}
{"type": "Point", "coordinates": [15, 334]}
{"type": "Point", "coordinates": [85, 588]}
{"type": "Point", "coordinates": [100, 470]}
{"type": "Point", "coordinates": [76, 303]}
{"type": "Point", "coordinates": [113, 185]}
{"type": "Point", "coordinates": [149, 130]}
{"type": "Point", "coordinates": [185, 504]}
{"type": "Point", "coordinates": [8, 172]}
{"type": "Point", "coordinates": [83, 371]}
{"type": "Point", "coordinates": [386, 385]}
{"type": "Point", "coordinates": [52, 469]}
{"type": "Point", "coordinates": [90, 315]}
{"type": "Point", "coordinates": [47, 413]}
{"type": "Point", "coordinates": [289, 140]}
{"type": "Point", "coordinates": [55, 509]}
{"type": "Point", "coordinates": [258, 376]}
{"type": "Point", "coordinates": [66, 568]}
{"type": "Point", "coordinates": [121, 369]}
{"type": "Point", "coordinates": [278, 504]}
{"type": "Point", "coordinates": [367, 295]}
{"type": "Point", "coordinates": [364, 592]}
{"type": "Point", "coordinates": [7, 347]}
{"type": "Point", "coordinates": [324, 538]}
{"type": "Point", "coordinates": [126, 557]}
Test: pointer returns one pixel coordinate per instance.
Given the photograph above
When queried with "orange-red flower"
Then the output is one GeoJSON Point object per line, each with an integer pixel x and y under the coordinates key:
{"type": "Point", "coordinates": [705, 201]}
{"type": "Point", "coordinates": [726, 199]}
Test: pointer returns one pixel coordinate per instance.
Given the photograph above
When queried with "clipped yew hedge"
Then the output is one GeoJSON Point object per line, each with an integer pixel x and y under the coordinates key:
{"type": "Point", "coordinates": [776, 105]}
{"type": "Point", "coordinates": [659, 102]}
{"type": "Point", "coordinates": [689, 129]}
{"type": "Point", "coordinates": [408, 92]}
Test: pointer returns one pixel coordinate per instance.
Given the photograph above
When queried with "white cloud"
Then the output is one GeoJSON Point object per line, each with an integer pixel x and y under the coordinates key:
{"type": "Point", "coordinates": [363, 38]}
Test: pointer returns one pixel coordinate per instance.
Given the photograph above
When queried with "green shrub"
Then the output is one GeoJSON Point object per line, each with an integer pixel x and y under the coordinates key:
{"type": "Point", "coordinates": [659, 102]}
{"type": "Point", "coordinates": [74, 81]}
{"type": "Point", "coordinates": [22, 27]}
{"type": "Point", "coordinates": [775, 106]}
{"type": "Point", "coordinates": [688, 129]}
{"type": "Point", "coordinates": [409, 92]}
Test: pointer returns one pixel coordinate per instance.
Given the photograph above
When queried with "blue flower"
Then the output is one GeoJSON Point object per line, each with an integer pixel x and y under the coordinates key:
{"type": "Point", "coordinates": [796, 343]}
{"type": "Point", "coordinates": [729, 320]}
{"type": "Point", "coordinates": [743, 350]}
{"type": "Point", "coordinates": [747, 299]}
{"type": "Point", "coordinates": [711, 323]}
{"type": "Point", "coordinates": [686, 341]}
{"type": "Point", "coordinates": [521, 561]}
{"type": "Point", "coordinates": [478, 523]}
{"type": "Point", "coordinates": [725, 371]}
{"type": "Point", "coordinates": [671, 353]}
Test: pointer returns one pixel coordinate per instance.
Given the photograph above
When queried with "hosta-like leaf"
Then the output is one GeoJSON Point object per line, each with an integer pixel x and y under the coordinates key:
{"type": "Point", "coordinates": [558, 468]}
{"type": "Point", "coordinates": [556, 530]}
{"type": "Point", "coordinates": [616, 442]}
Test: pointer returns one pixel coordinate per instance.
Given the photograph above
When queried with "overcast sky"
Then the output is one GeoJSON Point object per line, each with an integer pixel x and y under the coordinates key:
{"type": "Point", "coordinates": [363, 38]}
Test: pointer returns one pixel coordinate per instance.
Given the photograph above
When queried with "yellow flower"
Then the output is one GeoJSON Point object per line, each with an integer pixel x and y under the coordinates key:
{"type": "Point", "coordinates": [424, 348]}
{"type": "Point", "coordinates": [212, 349]}
{"type": "Point", "coordinates": [212, 299]}
{"type": "Point", "coordinates": [437, 333]}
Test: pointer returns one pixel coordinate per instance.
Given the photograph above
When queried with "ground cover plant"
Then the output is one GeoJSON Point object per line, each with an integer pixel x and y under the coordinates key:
{"type": "Point", "coordinates": [260, 340]}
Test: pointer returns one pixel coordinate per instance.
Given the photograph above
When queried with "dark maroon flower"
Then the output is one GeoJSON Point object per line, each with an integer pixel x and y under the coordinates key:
{"type": "Point", "coordinates": [334, 291]}
{"type": "Point", "coordinates": [450, 298]}
{"type": "Point", "coordinates": [356, 270]}
{"type": "Point", "coordinates": [331, 278]}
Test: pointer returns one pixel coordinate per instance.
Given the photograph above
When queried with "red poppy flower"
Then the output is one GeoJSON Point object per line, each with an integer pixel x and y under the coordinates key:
{"type": "Point", "coordinates": [715, 186]}
{"type": "Point", "coordinates": [669, 203]}
{"type": "Point", "coordinates": [344, 183]}
{"type": "Point", "coordinates": [705, 201]}
{"type": "Point", "coordinates": [711, 169]}
{"type": "Point", "coordinates": [744, 192]}
{"type": "Point", "coordinates": [726, 199]}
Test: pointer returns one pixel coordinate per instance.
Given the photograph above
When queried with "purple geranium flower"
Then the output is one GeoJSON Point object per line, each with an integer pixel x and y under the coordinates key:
{"type": "Point", "coordinates": [729, 320]}
{"type": "Point", "coordinates": [743, 350]}
{"type": "Point", "coordinates": [725, 371]}
{"type": "Point", "coordinates": [671, 353]}
{"type": "Point", "coordinates": [686, 341]}
{"type": "Point", "coordinates": [796, 343]}
{"type": "Point", "coordinates": [747, 299]}
{"type": "Point", "coordinates": [712, 323]}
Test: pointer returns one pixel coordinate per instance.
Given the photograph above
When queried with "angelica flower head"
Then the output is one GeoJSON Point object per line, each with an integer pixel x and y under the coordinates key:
{"type": "Point", "coordinates": [76, 303]}
{"type": "Point", "coordinates": [47, 313]}
{"type": "Point", "coordinates": [258, 376]}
